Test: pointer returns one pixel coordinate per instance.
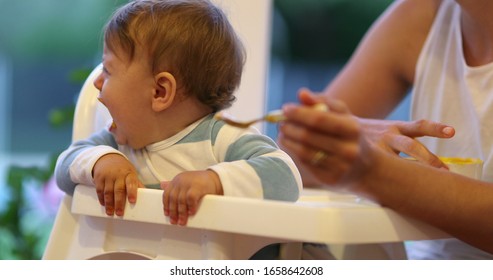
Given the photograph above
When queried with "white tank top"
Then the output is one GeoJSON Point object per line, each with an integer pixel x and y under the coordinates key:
{"type": "Point", "coordinates": [449, 91]}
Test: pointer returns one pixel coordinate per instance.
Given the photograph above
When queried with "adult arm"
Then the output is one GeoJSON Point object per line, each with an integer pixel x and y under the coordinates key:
{"type": "Point", "coordinates": [456, 204]}
{"type": "Point", "coordinates": [379, 75]}
{"type": "Point", "coordinates": [381, 70]}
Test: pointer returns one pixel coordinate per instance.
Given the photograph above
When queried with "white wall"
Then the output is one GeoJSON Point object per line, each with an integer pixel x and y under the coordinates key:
{"type": "Point", "coordinates": [252, 22]}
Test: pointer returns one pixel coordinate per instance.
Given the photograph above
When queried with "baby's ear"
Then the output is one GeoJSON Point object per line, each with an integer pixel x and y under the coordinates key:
{"type": "Point", "coordinates": [164, 92]}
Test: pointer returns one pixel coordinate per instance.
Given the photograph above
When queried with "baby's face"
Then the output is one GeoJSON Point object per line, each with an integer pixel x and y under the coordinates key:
{"type": "Point", "coordinates": [126, 89]}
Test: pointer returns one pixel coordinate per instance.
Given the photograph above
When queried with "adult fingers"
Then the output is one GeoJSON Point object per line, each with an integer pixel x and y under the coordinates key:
{"type": "Point", "coordinates": [325, 122]}
{"type": "Point", "coordinates": [346, 147]}
{"type": "Point", "coordinates": [326, 168]}
{"type": "Point", "coordinates": [415, 149]}
{"type": "Point", "coordinates": [310, 99]}
{"type": "Point", "coordinates": [307, 97]}
{"type": "Point", "coordinates": [426, 128]}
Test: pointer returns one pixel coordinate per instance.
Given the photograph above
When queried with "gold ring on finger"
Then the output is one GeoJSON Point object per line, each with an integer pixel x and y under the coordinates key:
{"type": "Point", "coordinates": [318, 158]}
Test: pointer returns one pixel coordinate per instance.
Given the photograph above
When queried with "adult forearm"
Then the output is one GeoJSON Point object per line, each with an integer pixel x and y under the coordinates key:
{"type": "Point", "coordinates": [456, 204]}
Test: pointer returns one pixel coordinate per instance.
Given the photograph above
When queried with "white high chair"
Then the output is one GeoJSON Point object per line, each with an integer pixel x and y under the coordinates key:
{"type": "Point", "coordinates": [66, 240]}
{"type": "Point", "coordinates": [225, 227]}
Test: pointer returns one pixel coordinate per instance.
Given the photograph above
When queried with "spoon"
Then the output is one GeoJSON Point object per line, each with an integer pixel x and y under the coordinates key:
{"type": "Point", "coordinates": [272, 117]}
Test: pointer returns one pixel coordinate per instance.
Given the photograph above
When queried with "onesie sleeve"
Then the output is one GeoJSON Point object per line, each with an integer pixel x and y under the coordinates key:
{"type": "Point", "coordinates": [74, 165]}
{"type": "Point", "coordinates": [252, 165]}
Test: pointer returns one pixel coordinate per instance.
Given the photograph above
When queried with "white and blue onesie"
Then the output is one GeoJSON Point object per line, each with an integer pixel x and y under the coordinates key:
{"type": "Point", "coordinates": [248, 163]}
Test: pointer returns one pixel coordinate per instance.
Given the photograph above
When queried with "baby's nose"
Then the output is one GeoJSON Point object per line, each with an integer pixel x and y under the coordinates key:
{"type": "Point", "coordinates": [98, 82]}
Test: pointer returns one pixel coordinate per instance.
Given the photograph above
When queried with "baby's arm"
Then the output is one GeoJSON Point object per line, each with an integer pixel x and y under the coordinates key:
{"type": "Point", "coordinates": [250, 165]}
{"type": "Point", "coordinates": [115, 179]}
{"type": "Point", "coordinates": [74, 165]}
{"type": "Point", "coordinates": [77, 165]}
{"type": "Point", "coordinates": [253, 166]}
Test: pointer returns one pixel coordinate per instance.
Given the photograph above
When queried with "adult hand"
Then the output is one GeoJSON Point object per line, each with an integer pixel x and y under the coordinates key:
{"type": "Point", "coordinates": [328, 144]}
{"type": "Point", "coordinates": [400, 137]}
{"type": "Point", "coordinates": [396, 136]}
{"type": "Point", "coordinates": [115, 179]}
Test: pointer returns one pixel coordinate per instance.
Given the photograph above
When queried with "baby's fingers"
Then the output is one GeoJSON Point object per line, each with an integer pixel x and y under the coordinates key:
{"type": "Point", "coordinates": [100, 192]}
{"type": "Point", "coordinates": [170, 203]}
{"type": "Point", "coordinates": [109, 199]}
{"type": "Point", "coordinates": [120, 195]}
{"type": "Point", "coordinates": [182, 208]}
{"type": "Point", "coordinates": [193, 203]}
{"type": "Point", "coordinates": [166, 190]}
{"type": "Point", "coordinates": [132, 184]}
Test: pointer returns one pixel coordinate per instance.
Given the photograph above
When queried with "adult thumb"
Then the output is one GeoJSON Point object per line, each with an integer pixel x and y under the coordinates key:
{"type": "Point", "coordinates": [164, 185]}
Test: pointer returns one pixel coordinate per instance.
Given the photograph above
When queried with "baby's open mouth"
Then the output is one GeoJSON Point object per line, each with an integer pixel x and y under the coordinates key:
{"type": "Point", "coordinates": [112, 126]}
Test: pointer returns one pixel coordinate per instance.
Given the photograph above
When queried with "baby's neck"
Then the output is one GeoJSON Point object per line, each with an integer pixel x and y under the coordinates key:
{"type": "Point", "coordinates": [179, 116]}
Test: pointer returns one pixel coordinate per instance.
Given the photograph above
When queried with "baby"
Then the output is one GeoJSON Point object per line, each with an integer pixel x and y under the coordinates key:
{"type": "Point", "coordinates": [168, 66]}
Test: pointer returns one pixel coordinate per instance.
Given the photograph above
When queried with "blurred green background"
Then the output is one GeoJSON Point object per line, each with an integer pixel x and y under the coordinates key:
{"type": "Point", "coordinates": [48, 46]}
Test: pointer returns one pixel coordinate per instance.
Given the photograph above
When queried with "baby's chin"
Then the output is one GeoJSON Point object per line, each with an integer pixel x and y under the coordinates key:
{"type": "Point", "coordinates": [122, 139]}
{"type": "Point", "coordinates": [112, 128]}
{"type": "Point", "coordinates": [119, 140]}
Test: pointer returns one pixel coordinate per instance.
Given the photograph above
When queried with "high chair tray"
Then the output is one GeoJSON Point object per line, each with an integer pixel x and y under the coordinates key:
{"type": "Point", "coordinates": [231, 228]}
{"type": "Point", "coordinates": [319, 216]}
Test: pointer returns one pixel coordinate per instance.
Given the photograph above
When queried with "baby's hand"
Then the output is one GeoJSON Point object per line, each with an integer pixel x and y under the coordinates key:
{"type": "Point", "coordinates": [115, 179]}
{"type": "Point", "coordinates": [182, 195]}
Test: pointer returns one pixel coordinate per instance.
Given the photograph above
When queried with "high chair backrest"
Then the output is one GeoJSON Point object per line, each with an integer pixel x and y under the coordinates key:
{"type": "Point", "coordinates": [90, 115]}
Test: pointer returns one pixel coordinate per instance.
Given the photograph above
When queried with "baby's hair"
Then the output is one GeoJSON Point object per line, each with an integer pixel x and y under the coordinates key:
{"type": "Point", "coordinates": [191, 39]}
